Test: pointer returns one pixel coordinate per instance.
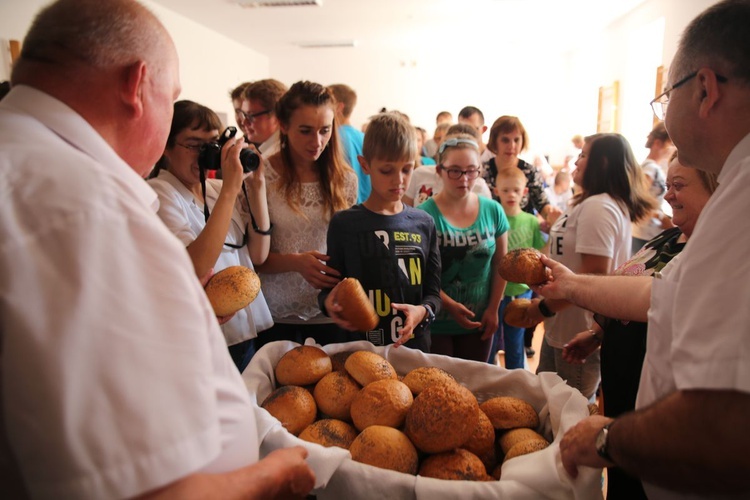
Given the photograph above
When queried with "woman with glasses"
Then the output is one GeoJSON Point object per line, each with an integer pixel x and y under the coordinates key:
{"type": "Point", "coordinates": [235, 229]}
{"type": "Point", "coordinates": [308, 181]}
{"type": "Point", "coordinates": [593, 236]}
{"type": "Point", "coordinates": [472, 236]}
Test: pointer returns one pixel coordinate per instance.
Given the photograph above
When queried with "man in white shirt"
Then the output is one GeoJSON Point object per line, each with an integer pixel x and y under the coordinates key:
{"type": "Point", "coordinates": [116, 378]}
{"type": "Point", "coordinates": [686, 439]}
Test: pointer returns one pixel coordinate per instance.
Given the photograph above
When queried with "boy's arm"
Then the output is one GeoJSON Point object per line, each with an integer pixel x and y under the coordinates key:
{"type": "Point", "coordinates": [433, 270]}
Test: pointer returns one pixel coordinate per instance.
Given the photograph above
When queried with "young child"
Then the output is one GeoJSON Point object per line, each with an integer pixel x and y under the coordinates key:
{"type": "Point", "coordinates": [473, 238]}
{"type": "Point", "coordinates": [510, 187]}
{"type": "Point", "coordinates": [390, 247]}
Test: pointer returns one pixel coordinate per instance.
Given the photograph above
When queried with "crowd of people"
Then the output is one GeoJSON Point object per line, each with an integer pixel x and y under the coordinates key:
{"type": "Point", "coordinates": [104, 315]}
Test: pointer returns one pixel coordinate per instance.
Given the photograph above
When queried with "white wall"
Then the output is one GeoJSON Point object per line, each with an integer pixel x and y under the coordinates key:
{"type": "Point", "coordinates": [210, 63]}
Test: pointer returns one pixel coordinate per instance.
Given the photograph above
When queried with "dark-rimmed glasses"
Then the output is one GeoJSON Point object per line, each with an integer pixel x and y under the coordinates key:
{"type": "Point", "coordinates": [250, 117]}
{"type": "Point", "coordinates": [455, 173]}
{"type": "Point", "coordinates": [660, 103]}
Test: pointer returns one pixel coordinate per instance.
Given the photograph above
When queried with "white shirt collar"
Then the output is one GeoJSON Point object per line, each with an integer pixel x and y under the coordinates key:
{"type": "Point", "coordinates": [740, 152]}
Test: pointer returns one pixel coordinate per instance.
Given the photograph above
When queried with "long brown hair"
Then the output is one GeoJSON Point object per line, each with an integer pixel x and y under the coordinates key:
{"type": "Point", "coordinates": [611, 168]}
{"type": "Point", "coordinates": [332, 167]}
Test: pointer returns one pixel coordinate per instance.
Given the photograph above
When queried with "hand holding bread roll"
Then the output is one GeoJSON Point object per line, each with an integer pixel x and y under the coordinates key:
{"type": "Point", "coordinates": [349, 302]}
{"type": "Point", "coordinates": [523, 265]}
{"type": "Point", "coordinates": [232, 289]}
{"type": "Point", "coordinates": [515, 314]}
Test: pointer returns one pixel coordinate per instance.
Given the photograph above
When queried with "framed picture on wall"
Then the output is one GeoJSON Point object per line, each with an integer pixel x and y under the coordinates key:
{"type": "Point", "coordinates": [661, 81]}
{"type": "Point", "coordinates": [609, 101]}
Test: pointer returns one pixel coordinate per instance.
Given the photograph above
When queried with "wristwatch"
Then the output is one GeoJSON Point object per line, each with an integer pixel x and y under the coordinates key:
{"type": "Point", "coordinates": [546, 312]}
{"type": "Point", "coordinates": [430, 317]}
{"type": "Point", "coordinates": [601, 442]}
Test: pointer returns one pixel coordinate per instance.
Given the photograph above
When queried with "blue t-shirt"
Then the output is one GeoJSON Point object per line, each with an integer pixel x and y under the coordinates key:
{"type": "Point", "coordinates": [466, 260]}
{"type": "Point", "coordinates": [352, 140]}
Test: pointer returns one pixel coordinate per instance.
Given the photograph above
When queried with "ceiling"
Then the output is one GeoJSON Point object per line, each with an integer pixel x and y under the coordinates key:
{"type": "Point", "coordinates": [413, 25]}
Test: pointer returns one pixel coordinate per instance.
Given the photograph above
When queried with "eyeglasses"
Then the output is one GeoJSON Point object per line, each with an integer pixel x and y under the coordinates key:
{"type": "Point", "coordinates": [195, 148]}
{"type": "Point", "coordinates": [455, 173]}
{"type": "Point", "coordinates": [250, 117]}
{"type": "Point", "coordinates": [659, 105]}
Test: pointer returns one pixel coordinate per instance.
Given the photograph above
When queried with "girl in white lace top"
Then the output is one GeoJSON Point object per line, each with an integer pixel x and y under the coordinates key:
{"type": "Point", "coordinates": [307, 181]}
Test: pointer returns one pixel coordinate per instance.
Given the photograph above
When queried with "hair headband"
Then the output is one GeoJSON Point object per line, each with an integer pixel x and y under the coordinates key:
{"type": "Point", "coordinates": [453, 142]}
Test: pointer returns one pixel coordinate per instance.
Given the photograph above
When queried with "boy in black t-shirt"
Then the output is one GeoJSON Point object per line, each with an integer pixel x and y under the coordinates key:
{"type": "Point", "coordinates": [390, 247]}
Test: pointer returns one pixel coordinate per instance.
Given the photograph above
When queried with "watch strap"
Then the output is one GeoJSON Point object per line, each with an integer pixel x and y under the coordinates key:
{"type": "Point", "coordinates": [546, 312]}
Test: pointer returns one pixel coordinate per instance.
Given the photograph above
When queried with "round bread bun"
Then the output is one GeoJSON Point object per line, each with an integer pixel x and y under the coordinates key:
{"type": "Point", "coordinates": [356, 307]}
{"type": "Point", "coordinates": [232, 289]}
{"type": "Point", "coordinates": [383, 402]}
{"type": "Point", "coordinates": [514, 436]}
{"type": "Point", "coordinates": [303, 365]}
{"type": "Point", "coordinates": [334, 395]}
{"type": "Point", "coordinates": [293, 406]}
{"type": "Point", "coordinates": [421, 378]}
{"type": "Point", "coordinates": [524, 448]}
{"type": "Point", "coordinates": [507, 412]}
{"type": "Point", "coordinates": [458, 465]}
{"type": "Point", "coordinates": [339, 359]}
{"type": "Point", "coordinates": [366, 367]}
{"type": "Point", "coordinates": [329, 432]}
{"type": "Point", "coordinates": [442, 417]}
{"type": "Point", "coordinates": [385, 447]}
{"type": "Point", "coordinates": [523, 265]}
{"type": "Point", "coordinates": [482, 441]}
{"type": "Point", "coordinates": [515, 313]}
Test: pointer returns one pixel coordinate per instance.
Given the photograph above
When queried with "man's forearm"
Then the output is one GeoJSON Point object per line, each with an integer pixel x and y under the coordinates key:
{"type": "Point", "coordinates": [691, 441]}
{"type": "Point", "coordinates": [619, 297]}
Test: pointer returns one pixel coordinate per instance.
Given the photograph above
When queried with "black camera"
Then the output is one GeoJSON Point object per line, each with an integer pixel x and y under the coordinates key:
{"type": "Point", "coordinates": [209, 157]}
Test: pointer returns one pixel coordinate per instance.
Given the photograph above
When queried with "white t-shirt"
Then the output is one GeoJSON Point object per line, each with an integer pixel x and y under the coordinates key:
{"type": "Point", "coordinates": [116, 378]}
{"type": "Point", "coordinates": [597, 226]}
{"type": "Point", "coordinates": [184, 217]}
{"type": "Point", "coordinates": [426, 183]}
{"type": "Point", "coordinates": [699, 316]}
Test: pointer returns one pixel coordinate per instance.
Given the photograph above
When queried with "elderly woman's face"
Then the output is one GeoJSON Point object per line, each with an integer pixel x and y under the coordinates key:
{"type": "Point", "coordinates": [686, 195]}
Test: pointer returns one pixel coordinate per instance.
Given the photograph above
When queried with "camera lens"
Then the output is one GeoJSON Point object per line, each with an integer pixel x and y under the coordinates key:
{"type": "Point", "coordinates": [249, 160]}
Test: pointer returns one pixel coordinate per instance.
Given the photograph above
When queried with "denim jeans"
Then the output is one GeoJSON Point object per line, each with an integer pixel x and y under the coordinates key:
{"type": "Point", "coordinates": [509, 338]}
{"type": "Point", "coordinates": [583, 377]}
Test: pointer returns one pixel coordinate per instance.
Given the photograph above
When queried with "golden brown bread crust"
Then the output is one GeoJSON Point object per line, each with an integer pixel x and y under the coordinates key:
{"type": "Point", "coordinates": [356, 307]}
{"type": "Point", "coordinates": [458, 465]}
{"type": "Point", "coordinates": [293, 406]}
{"type": "Point", "coordinates": [524, 448]}
{"type": "Point", "coordinates": [512, 437]}
{"type": "Point", "coordinates": [366, 367]}
{"type": "Point", "coordinates": [515, 312]}
{"type": "Point", "coordinates": [303, 365]}
{"type": "Point", "coordinates": [507, 412]}
{"type": "Point", "coordinates": [482, 441]}
{"type": "Point", "coordinates": [334, 395]}
{"type": "Point", "coordinates": [329, 432]}
{"type": "Point", "coordinates": [442, 417]}
{"type": "Point", "coordinates": [421, 378]}
{"type": "Point", "coordinates": [523, 265]}
{"type": "Point", "coordinates": [232, 289]}
{"type": "Point", "coordinates": [385, 447]}
{"type": "Point", "coordinates": [383, 402]}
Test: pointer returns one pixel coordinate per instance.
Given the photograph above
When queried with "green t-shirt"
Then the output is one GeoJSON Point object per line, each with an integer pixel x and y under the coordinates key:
{"type": "Point", "coordinates": [524, 233]}
{"type": "Point", "coordinates": [466, 258]}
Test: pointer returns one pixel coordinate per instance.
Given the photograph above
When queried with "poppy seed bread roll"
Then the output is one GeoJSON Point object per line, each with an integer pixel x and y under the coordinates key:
{"type": "Point", "coordinates": [293, 406]}
{"type": "Point", "coordinates": [385, 447]}
{"type": "Point", "coordinates": [366, 367]}
{"type": "Point", "coordinates": [383, 402]}
{"type": "Point", "coordinates": [506, 412]}
{"type": "Point", "coordinates": [356, 307]}
{"type": "Point", "coordinates": [523, 265]}
{"type": "Point", "coordinates": [330, 432]}
{"type": "Point", "coordinates": [456, 465]}
{"type": "Point", "coordinates": [303, 365]}
{"type": "Point", "coordinates": [232, 289]}
{"type": "Point", "coordinates": [421, 378]}
{"type": "Point", "coordinates": [515, 313]}
{"type": "Point", "coordinates": [334, 395]}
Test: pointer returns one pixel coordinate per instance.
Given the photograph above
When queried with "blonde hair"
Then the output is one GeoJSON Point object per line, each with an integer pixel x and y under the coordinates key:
{"type": "Point", "coordinates": [390, 137]}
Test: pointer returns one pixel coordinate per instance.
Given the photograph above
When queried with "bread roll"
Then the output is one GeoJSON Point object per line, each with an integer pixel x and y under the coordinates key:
{"type": "Point", "coordinates": [523, 265]}
{"type": "Point", "coordinates": [514, 436]}
{"type": "Point", "coordinates": [458, 465]}
{"type": "Point", "coordinates": [383, 402]}
{"type": "Point", "coordinates": [356, 307]}
{"type": "Point", "coordinates": [385, 447]}
{"type": "Point", "coordinates": [339, 359]}
{"type": "Point", "coordinates": [508, 413]}
{"type": "Point", "coordinates": [293, 406]}
{"type": "Point", "coordinates": [524, 448]}
{"type": "Point", "coordinates": [482, 441]}
{"type": "Point", "coordinates": [303, 365]}
{"type": "Point", "coordinates": [334, 395]}
{"type": "Point", "coordinates": [497, 472]}
{"type": "Point", "coordinates": [515, 313]}
{"type": "Point", "coordinates": [232, 289]}
{"type": "Point", "coordinates": [329, 432]}
{"type": "Point", "coordinates": [366, 367]}
{"type": "Point", "coordinates": [442, 417]}
{"type": "Point", "coordinates": [421, 378]}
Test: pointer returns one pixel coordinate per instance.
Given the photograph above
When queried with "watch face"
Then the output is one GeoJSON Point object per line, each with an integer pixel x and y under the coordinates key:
{"type": "Point", "coordinates": [601, 442]}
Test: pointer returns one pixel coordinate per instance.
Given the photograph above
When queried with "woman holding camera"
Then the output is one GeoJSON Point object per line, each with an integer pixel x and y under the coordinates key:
{"type": "Point", "coordinates": [308, 180]}
{"type": "Point", "coordinates": [235, 228]}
